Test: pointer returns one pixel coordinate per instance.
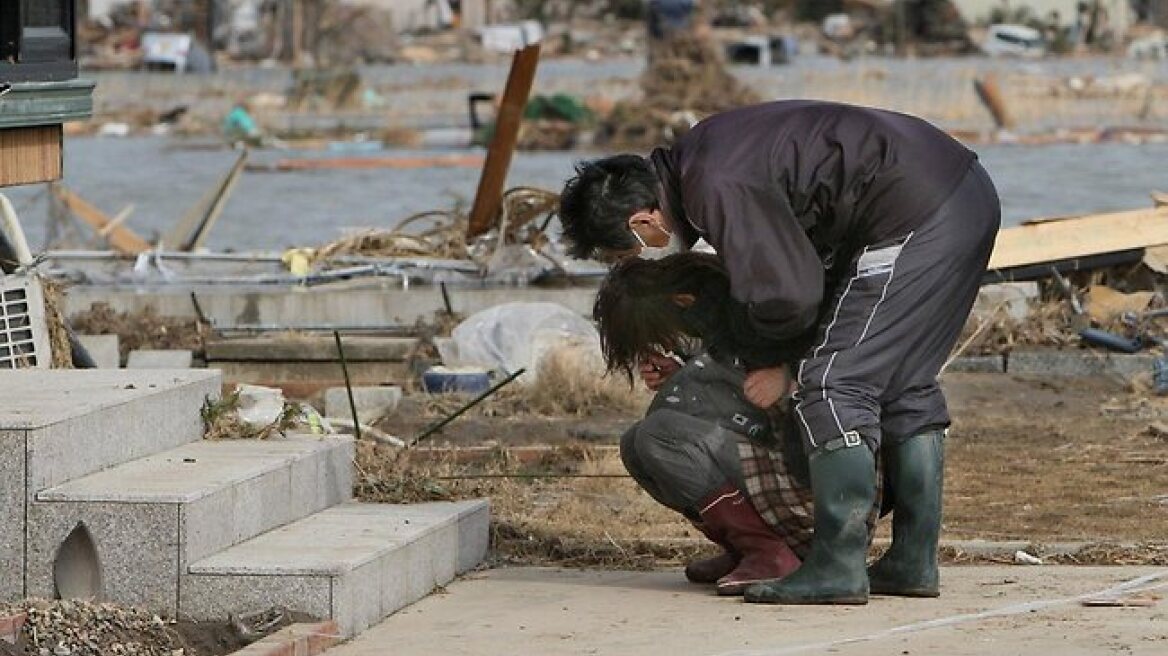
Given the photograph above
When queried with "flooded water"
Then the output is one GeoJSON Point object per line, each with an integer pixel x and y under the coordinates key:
{"type": "Point", "coordinates": [275, 210]}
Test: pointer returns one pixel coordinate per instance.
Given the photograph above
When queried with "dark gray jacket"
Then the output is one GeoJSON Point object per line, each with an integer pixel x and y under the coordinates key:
{"type": "Point", "coordinates": [787, 192]}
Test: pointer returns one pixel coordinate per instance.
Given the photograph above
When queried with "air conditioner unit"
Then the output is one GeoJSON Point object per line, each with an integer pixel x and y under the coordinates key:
{"type": "Point", "coordinates": [24, 333]}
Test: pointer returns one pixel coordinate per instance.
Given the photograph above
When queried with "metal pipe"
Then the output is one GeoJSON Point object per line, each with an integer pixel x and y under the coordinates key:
{"type": "Point", "coordinates": [348, 385]}
{"type": "Point", "coordinates": [312, 328]}
{"type": "Point", "coordinates": [467, 406]}
{"type": "Point", "coordinates": [15, 232]}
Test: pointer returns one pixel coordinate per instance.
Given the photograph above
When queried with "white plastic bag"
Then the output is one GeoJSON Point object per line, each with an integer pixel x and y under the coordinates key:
{"type": "Point", "coordinates": [517, 335]}
{"type": "Point", "coordinates": [260, 406]}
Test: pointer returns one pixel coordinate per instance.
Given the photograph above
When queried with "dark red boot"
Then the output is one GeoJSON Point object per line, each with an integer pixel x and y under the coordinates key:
{"type": "Point", "coordinates": [709, 570]}
{"type": "Point", "coordinates": [764, 554]}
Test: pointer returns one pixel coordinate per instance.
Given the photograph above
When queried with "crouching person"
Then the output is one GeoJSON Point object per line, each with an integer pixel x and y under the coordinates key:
{"type": "Point", "coordinates": [737, 472]}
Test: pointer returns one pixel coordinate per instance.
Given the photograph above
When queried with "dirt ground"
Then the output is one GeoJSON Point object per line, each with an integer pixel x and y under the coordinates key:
{"type": "Point", "coordinates": [1041, 461]}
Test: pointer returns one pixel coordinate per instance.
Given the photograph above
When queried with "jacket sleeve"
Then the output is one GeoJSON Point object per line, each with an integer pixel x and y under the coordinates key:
{"type": "Point", "coordinates": [776, 277]}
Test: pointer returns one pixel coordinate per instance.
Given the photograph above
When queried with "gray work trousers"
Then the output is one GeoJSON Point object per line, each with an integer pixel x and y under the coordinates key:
{"type": "Point", "coordinates": [681, 460]}
{"type": "Point", "coordinates": [892, 323]}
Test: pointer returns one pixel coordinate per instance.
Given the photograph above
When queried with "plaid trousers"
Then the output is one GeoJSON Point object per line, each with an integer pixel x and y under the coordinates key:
{"type": "Point", "coordinates": [787, 505]}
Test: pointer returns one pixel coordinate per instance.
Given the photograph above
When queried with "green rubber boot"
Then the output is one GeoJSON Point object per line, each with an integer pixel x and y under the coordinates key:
{"type": "Point", "coordinates": [916, 470]}
{"type": "Point", "coordinates": [844, 484]}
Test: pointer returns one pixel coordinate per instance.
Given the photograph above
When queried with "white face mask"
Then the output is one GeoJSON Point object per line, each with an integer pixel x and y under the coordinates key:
{"type": "Point", "coordinates": [675, 246]}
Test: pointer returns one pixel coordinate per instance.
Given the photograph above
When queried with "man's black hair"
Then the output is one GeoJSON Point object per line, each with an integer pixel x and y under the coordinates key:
{"type": "Point", "coordinates": [596, 204]}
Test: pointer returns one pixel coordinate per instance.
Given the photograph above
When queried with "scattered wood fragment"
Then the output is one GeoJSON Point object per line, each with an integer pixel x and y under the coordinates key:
{"type": "Point", "coordinates": [358, 163]}
{"type": "Point", "coordinates": [489, 196]}
{"type": "Point", "coordinates": [1053, 240]}
{"type": "Point", "coordinates": [121, 238]}
{"type": "Point", "coordinates": [367, 431]}
{"type": "Point", "coordinates": [1143, 600]}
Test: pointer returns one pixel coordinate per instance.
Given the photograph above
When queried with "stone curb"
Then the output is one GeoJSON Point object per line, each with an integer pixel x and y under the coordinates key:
{"type": "Point", "coordinates": [1070, 363]}
{"type": "Point", "coordinates": [987, 548]}
{"type": "Point", "coordinates": [295, 640]}
{"type": "Point", "coordinates": [10, 626]}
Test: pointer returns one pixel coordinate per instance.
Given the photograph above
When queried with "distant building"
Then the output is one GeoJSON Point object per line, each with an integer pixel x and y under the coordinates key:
{"type": "Point", "coordinates": [474, 14]}
{"type": "Point", "coordinates": [1153, 11]}
{"type": "Point", "coordinates": [412, 15]}
{"type": "Point", "coordinates": [1119, 12]}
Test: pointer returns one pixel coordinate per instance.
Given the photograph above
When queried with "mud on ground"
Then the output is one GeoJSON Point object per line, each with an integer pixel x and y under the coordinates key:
{"type": "Point", "coordinates": [1043, 461]}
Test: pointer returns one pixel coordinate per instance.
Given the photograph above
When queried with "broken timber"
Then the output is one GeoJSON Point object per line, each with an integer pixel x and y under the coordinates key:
{"type": "Point", "coordinates": [1030, 250]}
{"type": "Point", "coordinates": [192, 229]}
{"type": "Point", "coordinates": [361, 163]}
{"type": "Point", "coordinates": [121, 238]}
{"type": "Point", "coordinates": [488, 200]}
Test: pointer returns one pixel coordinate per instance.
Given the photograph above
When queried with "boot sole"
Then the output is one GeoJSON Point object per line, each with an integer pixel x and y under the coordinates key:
{"type": "Point", "coordinates": [835, 601]}
{"type": "Point", "coordinates": [917, 593]}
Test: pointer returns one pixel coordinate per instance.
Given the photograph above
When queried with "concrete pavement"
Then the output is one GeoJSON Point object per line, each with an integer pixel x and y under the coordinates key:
{"type": "Point", "coordinates": [998, 610]}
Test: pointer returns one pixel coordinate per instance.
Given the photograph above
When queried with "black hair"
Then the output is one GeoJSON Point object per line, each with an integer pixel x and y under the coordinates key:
{"type": "Point", "coordinates": [597, 202]}
{"type": "Point", "coordinates": [636, 311]}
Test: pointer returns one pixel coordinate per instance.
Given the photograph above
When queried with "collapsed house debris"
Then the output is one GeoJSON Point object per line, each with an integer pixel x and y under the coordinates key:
{"type": "Point", "coordinates": [686, 80]}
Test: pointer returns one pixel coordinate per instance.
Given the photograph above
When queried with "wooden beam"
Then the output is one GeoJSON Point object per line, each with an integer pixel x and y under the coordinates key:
{"type": "Point", "coordinates": [1068, 238]}
{"type": "Point", "coordinates": [358, 163]}
{"type": "Point", "coordinates": [191, 230]}
{"type": "Point", "coordinates": [990, 94]}
{"type": "Point", "coordinates": [121, 238]}
{"type": "Point", "coordinates": [29, 155]}
{"type": "Point", "coordinates": [489, 197]}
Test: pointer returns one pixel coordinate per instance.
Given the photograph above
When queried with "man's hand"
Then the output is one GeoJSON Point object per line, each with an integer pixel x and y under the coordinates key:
{"type": "Point", "coordinates": [656, 368]}
{"type": "Point", "coordinates": [764, 387]}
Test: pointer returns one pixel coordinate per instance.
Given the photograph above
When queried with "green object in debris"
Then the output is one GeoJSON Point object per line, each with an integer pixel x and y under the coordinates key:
{"type": "Point", "coordinates": [557, 107]}
{"type": "Point", "coordinates": [560, 106]}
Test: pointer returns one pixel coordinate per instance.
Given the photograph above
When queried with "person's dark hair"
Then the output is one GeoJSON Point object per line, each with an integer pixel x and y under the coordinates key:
{"type": "Point", "coordinates": [597, 202]}
{"type": "Point", "coordinates": [635, 308]}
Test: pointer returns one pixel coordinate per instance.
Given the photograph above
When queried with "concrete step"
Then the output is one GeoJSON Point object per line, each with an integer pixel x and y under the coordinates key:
{"type": "Point", "coordinates": [149, 518]}
{"type": "Point", "coordinates": [58, 425]}
{"type": "Point", "coordinates": [355, 563]}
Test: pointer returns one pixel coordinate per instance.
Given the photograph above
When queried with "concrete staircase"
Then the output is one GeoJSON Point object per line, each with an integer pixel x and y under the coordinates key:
{"type": "Point", "coordinates": [107, 489]}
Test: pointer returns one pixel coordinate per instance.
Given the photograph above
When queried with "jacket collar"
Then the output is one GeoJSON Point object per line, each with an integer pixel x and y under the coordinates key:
{"type": "Point", "coordinates": [669, 195]}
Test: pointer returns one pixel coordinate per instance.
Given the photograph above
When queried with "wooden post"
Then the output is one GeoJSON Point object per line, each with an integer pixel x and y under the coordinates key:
{"type": "Point", "coordinates": [297, 31]}
{"type": "Point", "coordinates": [489, 197]}
{"type": "Point", "coordinates": [30, 155]}
{"type": "Point", "coordinates": [990, 95]}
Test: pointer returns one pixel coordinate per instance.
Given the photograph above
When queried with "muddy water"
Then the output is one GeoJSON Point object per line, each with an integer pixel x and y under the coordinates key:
{"type": "Point", "coordinates": [274, 210]}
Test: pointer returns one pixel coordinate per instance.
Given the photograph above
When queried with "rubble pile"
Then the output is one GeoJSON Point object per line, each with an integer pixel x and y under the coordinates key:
{"type": "Point", "coordinates": [686, 80]}
{"type": "Point", "coordinates": [79, 628]}
{"type": "Point", "coordinates": [442, 233]}
{"type": "Point", "coordinates": [145, 329]}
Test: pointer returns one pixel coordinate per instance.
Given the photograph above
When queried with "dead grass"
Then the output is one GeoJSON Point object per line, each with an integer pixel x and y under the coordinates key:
{"type": "Point", "coordinates": [62, 350]}
{"type": "Point", "coordinates": [1028, 460]}
{"type": "Point", "coordinates": [1046, 325]}
{"type": "Point", "coordinates": [1040, 460]}
{"type": "Point", "coordinates": [145, 329]}
{"type": "Point", "coordinates": [538, 518]}
{"type": "Point", "coordinates": [221, 420]}
{"type": "Point", "coordinates": [568, 384]}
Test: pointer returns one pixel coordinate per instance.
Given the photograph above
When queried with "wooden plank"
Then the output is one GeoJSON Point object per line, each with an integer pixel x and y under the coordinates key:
{"type": "Point", "coordinates": [310, 348]}
{"type": "Point", "coordinates": [359, 163]}
{"type": "Point", "coordinates": [121, 238]}
{"type": "Point", "coordinates": [990, 95]}
{"type": "Point", "coordinates": [1075, 237]}
{"type": "Point", "coordinates": [489, 197]}
{"type": "Point", "coordinates": [317, 374]}
{"type": "Point", "coordinates": [30, 155]}
{"type": "Point", "coordinates": [215, 209]}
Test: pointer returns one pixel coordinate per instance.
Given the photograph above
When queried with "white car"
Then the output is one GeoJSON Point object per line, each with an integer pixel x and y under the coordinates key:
{"type": "Point", "coordinates": [1013, 41]}
{"type": "Point", "coordinates": [1154, 46]}
{"type": "Point", "coordinates": [166, 51]}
